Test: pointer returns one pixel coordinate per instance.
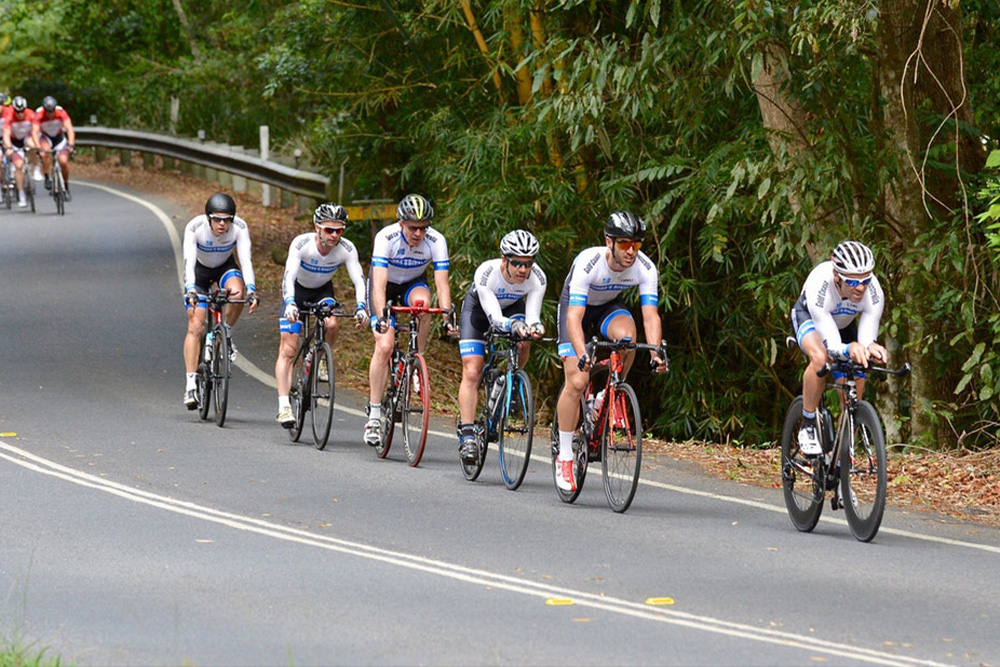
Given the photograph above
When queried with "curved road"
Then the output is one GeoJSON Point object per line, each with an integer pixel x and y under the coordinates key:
{"type": "Point", "coordinates": [132, 533]}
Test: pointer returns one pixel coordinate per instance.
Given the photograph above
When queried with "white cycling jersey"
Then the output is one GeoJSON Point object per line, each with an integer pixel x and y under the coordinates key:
{"type": "Point", "coordinates": [830, 312]}
{"type": "Point", "coordinates": [311, 269]}
{"type": "Point", "coordinates": [591, 281]}
{"type": "Point", "coordinates": [404, 263]}
{"type": "Point", "coordinates": [204, 247]}
{"type": "Point", "coordinates": [495, 293]}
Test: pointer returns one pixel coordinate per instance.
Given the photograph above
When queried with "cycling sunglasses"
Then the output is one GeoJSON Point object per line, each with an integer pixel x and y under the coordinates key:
{"type": "Point", "coordinates": [628, 244]}
{"type": "Point", "coordinates": [332, 230]}
{"type": "Point", "coordinates": [854, 282]}
{"type": "Point", "coordinates": [517, 264]}
{"type": "Point", "coordinates": [220, 218]}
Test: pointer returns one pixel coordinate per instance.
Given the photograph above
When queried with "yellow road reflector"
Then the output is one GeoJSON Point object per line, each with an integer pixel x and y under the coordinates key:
{"type": "Point", "coordinates": [659, 601]}
{"type": "Point", "coordinates": [8, 434]}
{"type": "Point", "coordinates": [558, 602]}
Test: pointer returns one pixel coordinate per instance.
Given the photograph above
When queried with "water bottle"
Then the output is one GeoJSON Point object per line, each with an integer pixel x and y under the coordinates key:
{"type": "Point", "coordinates": [496, 391]}
{"type": "Point", "coordinates": [827, 419]}
{"type": "Point", "coordinates": [209, 341]}
{"type": "Point", "coordinates": [307, 363]}
{"type": "Point", "coordinates": [598, 401]}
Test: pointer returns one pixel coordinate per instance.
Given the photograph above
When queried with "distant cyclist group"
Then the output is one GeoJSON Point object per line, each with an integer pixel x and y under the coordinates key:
{"type": "Point", "coordinates": [836, 316]}
{"type": "Point", "coordinates": [42, 132]}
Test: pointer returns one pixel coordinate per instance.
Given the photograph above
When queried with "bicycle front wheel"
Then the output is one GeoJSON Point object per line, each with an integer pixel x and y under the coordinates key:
{"type": "Point", "coordinates": [58, 189]}
{"type": "Point", "coordinates": [516, 430]}
{"type": "Point", "coordinates": [390, 399]}
{"type": "Point", "coordinates": [321, 395]}
{"type": "Point", "coordinates": [621, 448]}
{"type": "Point", "coordinates": [416, 409]}
{"type": "Point", "coordinates": [579, 453]}
{"type": "Point", "coordinates": [298, 394]}
{"type": "Point", "coordinates": [481, 429]}
{"type": "Point", "coordinates": [220, 375]}
{"type": "Point", "coordinates": [204, 389]}
{"type": "Point", "coordinates": [802, 478]}
{"type": "Point", "coordinates": [863, 475]}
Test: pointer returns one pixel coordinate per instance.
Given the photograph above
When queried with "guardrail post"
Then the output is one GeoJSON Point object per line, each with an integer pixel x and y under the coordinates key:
{"type": "Point", "coordinates": [148, 161]}
{"type": "Point", "coordinates": [125, 157]}
{"type": "Point", "coordinates": [265, 150]}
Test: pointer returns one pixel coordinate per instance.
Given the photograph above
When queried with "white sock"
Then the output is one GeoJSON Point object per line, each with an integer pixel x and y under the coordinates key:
{"type": "Point", "coordinates": [374, 411]}
{"type": "Point", "coordinates": [283, 403]}
{"type": "Point", "coordinates": [191, 382]}
{"type": "Point", "coordinates": [565, 445]}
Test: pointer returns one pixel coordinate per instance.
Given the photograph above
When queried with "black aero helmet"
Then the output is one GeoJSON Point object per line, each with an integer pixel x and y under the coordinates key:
{"type": "Point", "coordinates": [623, 224]}
{"type": "Point", "coordinates": [329, 213]}
{"type": "Point", "coordinates": [49, 104]}
{"type": "Point", "coordinates": [415, 208]}
{"type": "Point", "coordinates": [19, 104]}
{"type": "Point", "coordinates": [220, 202]}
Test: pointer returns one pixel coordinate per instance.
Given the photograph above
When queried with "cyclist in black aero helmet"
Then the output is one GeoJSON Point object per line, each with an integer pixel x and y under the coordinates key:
{"type": "Point", "coordinates": [836, 316]}
{"type": "Point", "coordinates": [212, 243]}
{"type": "Point", "coordinates": [401, 255]}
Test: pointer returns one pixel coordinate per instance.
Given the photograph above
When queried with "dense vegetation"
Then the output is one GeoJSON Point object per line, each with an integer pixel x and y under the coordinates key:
{"type": "Point", "coordinates": [752, 135]}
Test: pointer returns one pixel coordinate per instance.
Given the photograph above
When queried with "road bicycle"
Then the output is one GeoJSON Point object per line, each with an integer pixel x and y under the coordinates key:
{"type": "Point", "coordinates": [58, 190]}
{"type": "Point", "coordinates": [407, 395]}
{"type": "Point", "coordinates": [214, 367]}
{"type": "Point", "coordinates": [853, 462]}
{"type": "Point", "coordinates": [313, 382]}
{"type": "Point", "coordinates": [506, 411]}
{"type": "Point", "coordinates": [609, 429]}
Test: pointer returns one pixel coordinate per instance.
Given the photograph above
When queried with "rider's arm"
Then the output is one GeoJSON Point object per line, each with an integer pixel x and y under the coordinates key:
{"type": "Point", "coordinates": [190, 254]}
{"type": "Point", "coordinates": [533, 299]}
{"type": "Point", "coordinates": [245, 254]}
{"type": "Point", "coordinates": [439, 256]}
{"type": "Point", "coordinates": [7, 143]}
{"type": "Point", "coordinates": [485, 284]}
{"type": "Point", "coordinates": [70, 132]}
{"type": "Point", "coordinates": [379, 278]}
{"type": "Point", "coordinates": [292, 263]}
{"type": "Point", "coordinates": [357, 276]}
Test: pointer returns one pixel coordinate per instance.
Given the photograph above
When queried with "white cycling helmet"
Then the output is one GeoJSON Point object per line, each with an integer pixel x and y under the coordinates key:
{"type": "Point", "coordinates": [329, 213]}
{"type": "Point", "coordinates": [852, 257]}
{"type": "Point", "coordinates": [519, 243]}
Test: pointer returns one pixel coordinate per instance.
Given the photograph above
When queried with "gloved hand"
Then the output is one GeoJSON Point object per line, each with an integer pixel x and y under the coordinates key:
{"type": "Point", "coordinates": [291, 312]}
{"type": "Point", "coordinates": [191, 297]}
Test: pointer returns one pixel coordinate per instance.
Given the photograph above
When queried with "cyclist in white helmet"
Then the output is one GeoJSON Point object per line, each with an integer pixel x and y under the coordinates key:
{"type": "Point", "coordinates": [313, 258]}
{"type": "Point", "coordinates": [506, 294]}
{"type": "Point", "coordinates": [836, 317]}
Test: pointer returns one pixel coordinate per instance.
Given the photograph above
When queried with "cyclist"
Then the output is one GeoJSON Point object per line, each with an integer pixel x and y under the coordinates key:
{"type": "Point", "coordinates": [401, 253]}
{"type": "Point", "coordinates": [591, 303]}
{"type": "Point", "coordinates": [52, 129]}
{"type": "Point", "coordinates": [836, 317]}
{"type": "Point", "coordinates": [507, 294]}
{"type": "Point", "coordinates": [313, 258]}
{"type": "Point", "coordinates": [17, 119]}
{"type": "Point", "coordinates": [209, 244]}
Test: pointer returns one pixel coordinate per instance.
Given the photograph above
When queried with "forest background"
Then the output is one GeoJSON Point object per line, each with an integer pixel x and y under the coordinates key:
{"type": "Point", "coordinates": [751, 135]}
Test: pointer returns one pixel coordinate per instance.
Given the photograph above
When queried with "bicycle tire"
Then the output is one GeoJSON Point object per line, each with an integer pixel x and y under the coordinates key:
{"type": "Point", "coordinates": [621, 448]}
{"type": "Point", "coordinates": [204, 390]}
{"type": "Point", "coordinates": [29, 193]}
{"type": "Point", "coordinates": [802, 480]}
{"type": "Point", "coordinates": [579, 454]}
{"type": "Point", "coordinates": [416, 409]}
{"type": "Point", "coordinates": [863, 473]}
{"type": "Point", "coordinates": [516, 430]}
{"type": "Point", "coordinates": [58, 188]}
{"type": "Point", "coordinates": [480, 428]}
{"type": "Point", "coordinates": [390, 398]}
{"type": "Point", "coordinates": [297, 393]}
{"type": "Point", "coordinates": [221, 372]}
{"type": "Point", "coordinates": [321, 396]}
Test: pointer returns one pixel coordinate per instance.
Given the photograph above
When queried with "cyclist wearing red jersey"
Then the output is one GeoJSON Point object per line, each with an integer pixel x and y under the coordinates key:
{"type": "Point", "coordinates": [52, 129]}
{"type": "Point", "coordinates": [17, 130]}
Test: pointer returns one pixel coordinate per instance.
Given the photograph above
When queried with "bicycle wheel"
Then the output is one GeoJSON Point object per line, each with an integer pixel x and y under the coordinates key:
{"type": "Point", "coordinates": [801, 477]}
{"type": "Point", "coordinates": [29, 192]}
{"type": "Point", "coordinates": [390, 399]}
{"type": "Point", "coordinates": [321, 396]}
{"type": "Point", "coordinates": [416, 409]}
{"type": "Point", "coordinates": [863, 474]}
{"type": "Point", "coordinates": [481, 429]}
{"type": "Point", "coordinates": [204, 389]}
{"type": "Point", "coordinates": [516, 430]}
{"type": "Point", "coordinates": [621, 448]}
{"type": "Point", "coordinates": [220, 375]}
{"type": "Point", "coordinates": [298, 393]}
{"type": "Point", "coordinates": [579, 454]}
{"type": "Point", "coordinates": [58, 189]}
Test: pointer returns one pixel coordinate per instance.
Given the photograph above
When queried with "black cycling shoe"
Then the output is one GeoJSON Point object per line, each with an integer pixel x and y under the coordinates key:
{"type": "Point", "coordinates": [468, 450]}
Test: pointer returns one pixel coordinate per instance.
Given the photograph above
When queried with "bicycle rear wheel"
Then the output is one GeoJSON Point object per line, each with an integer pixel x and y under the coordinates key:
{"type": "Point", "coordinates": [298, 393]}
{"type": "Point", "coordinates": [29, 192]}
{"type": "Point", "coordinates": [863, 475]}
{"type": "Point", "coordinates": [579, 453]}
{"type": "Point", "coordinates": [204, 389]}
{"type": "Point", "coordinates": [220, 375]}
{"type": "Point", "coordinates": [58, 188]}
{"type": "Point", "coordinates": [481, 427]}
{"type": "Point", "coordinates": [390, 398]}
{"type": "Point", "coordinates": [416, 409]}
{"type": "Point", "coordinates": [621, 445]}
{"type": "Point", "coordinates": [516, 430]}
{"type": "Point", "coordinates": [321, 396]}
{"type": "Point", "coordinates": [802, 478]}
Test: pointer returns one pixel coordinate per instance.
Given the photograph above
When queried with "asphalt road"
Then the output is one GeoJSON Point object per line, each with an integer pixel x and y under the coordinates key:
{"type": "Point", "coordinates": [132, 533]}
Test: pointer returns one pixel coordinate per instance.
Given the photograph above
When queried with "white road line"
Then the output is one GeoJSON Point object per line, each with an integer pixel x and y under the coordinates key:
{"type": "Point", "coordinates": [440, 568]}
{"type": "Point", "coordinates": [248, 367]}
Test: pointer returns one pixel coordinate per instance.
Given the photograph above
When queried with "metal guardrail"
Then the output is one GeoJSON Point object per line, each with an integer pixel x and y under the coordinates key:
{"type": "Point", "coordinates": [215, 156]}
